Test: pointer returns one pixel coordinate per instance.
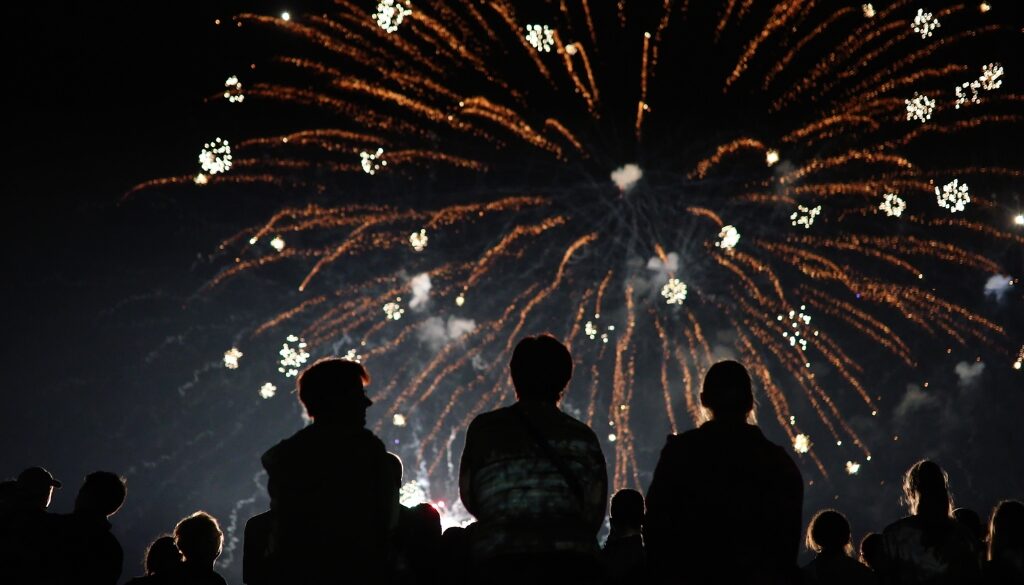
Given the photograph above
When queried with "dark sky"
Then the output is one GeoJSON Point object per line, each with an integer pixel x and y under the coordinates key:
{"type": "Point", "coordinates": [102, 329]}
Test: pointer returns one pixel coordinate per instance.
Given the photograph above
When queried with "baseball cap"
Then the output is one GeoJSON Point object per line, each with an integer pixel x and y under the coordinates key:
{"type": "Point", "coordinates": [37, 476]}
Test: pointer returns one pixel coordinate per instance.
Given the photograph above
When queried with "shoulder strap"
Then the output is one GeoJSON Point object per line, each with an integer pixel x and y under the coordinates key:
{"type": "Point", "coordinates": [552, 455]}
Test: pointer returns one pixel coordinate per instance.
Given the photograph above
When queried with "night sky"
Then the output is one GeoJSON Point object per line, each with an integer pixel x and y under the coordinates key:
{"type": "Point", "coordinates": [111, 357]}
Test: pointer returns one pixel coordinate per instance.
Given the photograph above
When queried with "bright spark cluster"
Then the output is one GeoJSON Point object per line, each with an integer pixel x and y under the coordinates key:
{"type": "Point", "coordinates": [920, 108]}
{"type": "Point", "coordinates": [953, 196]}
{"type": "Point", "coordinates": [233, 90]}
{"type": "Point", "coordinates": [801, 443]}
{"type": "Point", "coordinates": [372, 162]}
{"type": "Point", "coordinates": [804, 216]}
{"type": "Point", "coordinates": [798, 327]}
{"type": "Point", "coordinates": [728, 237]}
{"type": "Point", "coordinates": [398, 420]}
{"type": "Point", "coordinates": [353, 356]}
{"type": "Point", "coordinates": [393, 310]}
{"type": "Point", "coordinates": [277, 243]}
{"type": "Point", "coordinates": [293, 355]}
{"type": "Point", "coordinates": [591, 330]}
{"type": "Point", "coordinates": [925, 23]}
{"type": "Point", "coordinates": [674, 291]}
{"type": "Point", "coordinates": [893, 205]}
{"type": "Point", "coordinates": [989, 80]}
{"type": "Point", "coordinates": [1020, 359]}
{"type": "Point", "coordinates": [771, 157]}
{"type": "Point", "coordinates": [1019, 219]}
{"type": "Point", "coordinates": [991, 77]}
{"type": "Point", "coordinates": [852, 467]}
{"type": "Point", "coordinates": [418, 240]}
{"type": "Point", "coordinates": [267, 390]}
{"type": "Point", "coordinates": [540, 37]}
{"type": "Point", "coordinates": [231, 358]}
{"type": "Point", "coordinates": [869, 10]}
{"type": "Point", "coordinates": [390, 14]}
{"type": "Point", "coordinates": [215, 157]}
{"type": "Point", "coordinates": [412, 494]}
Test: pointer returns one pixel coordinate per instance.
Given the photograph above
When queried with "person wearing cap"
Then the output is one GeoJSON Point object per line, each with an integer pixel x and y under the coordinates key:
{"type": "Point", "coordinates": [333, 499]}
{"type": "Point", "coordinates": [25, 525]}
{"type": "Point", "coordinates": [725, 503]}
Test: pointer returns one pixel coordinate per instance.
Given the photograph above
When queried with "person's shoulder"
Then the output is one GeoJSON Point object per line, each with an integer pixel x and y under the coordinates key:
{"type": "Point", "coordinates": [576, 425]}
{"type": "Point", "coordinates": [901, 525]}
{"type": "Point", "coordinates": [496, 416]}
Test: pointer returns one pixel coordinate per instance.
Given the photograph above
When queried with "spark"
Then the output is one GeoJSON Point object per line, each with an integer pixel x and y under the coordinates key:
{"type": "Point", "coordinates": [267, 390]}
{"type": "Point", "coordinates": [201, 179]}
{"type": "Point", "coordinates": [540, 37]}
{"type": "Point", "coordinates": [925, 23]}
{"type": "Point", "coordinates": [277, 243]}
{"type": "Point", "coordinates": [571, 49]}
{"type": "Point", "coordinates": [893, 205]}
{"type": "Point", "coordinates": [920, 108]}
{"type": "Point", "coordinates": [991, 76]}
{"type": "Point", "coordinates": [412, 494]}
{"type": "Point", "coordinates": [962, 96]}
{"type": "Point", "coordinates": [293, 355]}
{"type": "Point", "coordinates": [286, 16]}
{"type": "Point", "coordinates": [233, 90]}
{"type": "Point", "coordinates": [801, 443]}
{"type": "Point", "coordinates": [984, 7]}
{"type": "Point", "coordinates": [390, 14]}
{"type": "Point", "coordinates": [674, 291]}
{"type": "Point", "coordinates": [592, 331]}
{"type": "Point", "coordinates": [1020, 359]}
{"type": "Point", "coordinates": [869, 10]}
{"type": "Point", "coordinates": [612, 438]}
{"type": "Point", "coordinates": [627, 176]}
{"type": "Point", "coordinates": [215, 156]}
{"type": "Point", "coordinates": [371, 162]}
{"type": "Point", "coordinates": [852, 467]}
{"type": "Point", "coordinates": [460, 300]}
{"type": "Point", "coordinates": [398, 420]}
{"type": "Point", "coordinates": [953, 196]}
{"type": "Point", "coordinates": [771, 157]}
{"type": "Point", "coordinates": [728, 237]}
{"type": "Point", "coordinates": [393, 310]}
{"type": "Point", "coordinates": [798, 327]}
{"type": "Point", "coordinates": [231, 358]}
{"type": "Point", "coordinates": [804, 216]}
{"type": "Point", "coordinates": [1019, 219]}
{"type": "Point", "coordinates": [418, 240]}
{"type": "Point", "coordinates": [352, 355]}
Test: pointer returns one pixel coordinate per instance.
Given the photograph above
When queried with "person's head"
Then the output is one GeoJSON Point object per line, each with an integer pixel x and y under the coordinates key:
{"type": "Point", "coordinates": [829, 532]}
{"type": "Point", "coordinates": [871, 550]}
{"type": "Point", "coordinates": [332, 388]}
{"type": "Point", "coordinates": [970, 520]}
{"type": "Point", "coordinates": [728, 393]}
{"type": "Point", "coordinates": [396, 469]}
{"type": "Point", "coordinates": [425, 523]}
{"type": "Point", "coordinates": [627, 510]}
{"type": "Point", "coordinates": [36, 486]}
{"type": "Point", "coordinates": [162, 556]}
{"type": "Point", "coordinates": [541, 368]}
{"type": "Point", "coordinates": [926, 490]}
{"type": "Point", "coordinates": [199, 538]}
{"type": "Point", "coordinates": [1006, 532]}
{"type": "Point", "coordinates": [102, 493]}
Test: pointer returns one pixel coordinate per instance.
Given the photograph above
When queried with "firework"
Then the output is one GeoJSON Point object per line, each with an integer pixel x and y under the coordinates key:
{"type": "Point", "coordinates": [215, 157]}
{"type": "Point", "coordinates": [508, 143]}
{"type": "Point", "coordinates": [277, 243]}
{"type": "Point", "coordinates": [267, 391]}
{"type": "Point", "coordinates": [233, 90]}
{"type": "Point", "coordinates": [292, 356]}
{"type": "Point", "coordinates": [231, 358]}
{"type": "Point", "coordinates": [852, 467]}
{"type": "Point", "coordinates": [801, 443]}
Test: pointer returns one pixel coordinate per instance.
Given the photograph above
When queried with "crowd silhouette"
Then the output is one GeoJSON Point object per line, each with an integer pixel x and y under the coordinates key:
{"type": "Point", "coordinates": [724, 506]}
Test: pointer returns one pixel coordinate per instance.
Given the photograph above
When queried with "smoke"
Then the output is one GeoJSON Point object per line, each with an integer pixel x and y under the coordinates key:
{"type": "Point", "coordinates": [436, 332]}
{"type": "Point", "coordinates": [914, 400]}
{"type": "Point", "coordinates": [969, 372]}
{"type": "Point", "coordinates": [662, 269]}
{"type": "Point", "coordinates": [420, 285]}
{"type": "Point", "coordinates": [998, 286]}
{"type": "Point", "coordinates": [627, 176]}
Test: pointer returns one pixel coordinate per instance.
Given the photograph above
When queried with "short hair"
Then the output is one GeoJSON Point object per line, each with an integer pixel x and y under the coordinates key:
{"type": "Point", "coordinates": [331, 384]}
{"type": "Point", "coordinates": [727, 390]}
{"type": "Point", "coordinates": [541, 368]}
{"type": "Point", "coordinates": [199, 537]}
{"type": "Point", "coordinates": [828, 530]}
{"type": "Point", "coordinates": [871, 549]}
{"type": "Point", "coordinates": [102, 492]}
{"type": "Point", "coordinates": [162, 556]}
{"type": "Point", "coordinates": [396, 469]}
{"type": "Point", "coordinates": [628, 508]}
{"type": "Point", "coordinates": [926, 490]}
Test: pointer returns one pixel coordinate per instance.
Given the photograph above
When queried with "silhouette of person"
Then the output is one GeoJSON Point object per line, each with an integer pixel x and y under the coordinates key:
{"type": "Point", "coordinates": [257, 560]}
{"type": "Point", "coordinates": [455, 556]}
{"type": "Point", "coordinates": [970, 520]}
{"type": "Point", "coordinates": [535, 478]}
{"type": "Point", "coordinates": [828, 535]}
{"type": "Point", "coordinates": [871, 551]}
{"type": "Point", "coordinates": [724, 504]}
{"type": "Point", "coordinates": [84, 549]}
{"type": "Point", "coordinates": [200, 540]}
{"type": "Point", "coordinates": [1005, 563]}
{"type": "Point", "coordinates": [163, 564]}
{"type": "Point", "coordinates": [928, 546]}
{"type": "Point", "coordinates": [25, 526]}
{"type": "Point", "coordinates": [623, 552]}
{"type": "Point", "coordinates": [331, 489]}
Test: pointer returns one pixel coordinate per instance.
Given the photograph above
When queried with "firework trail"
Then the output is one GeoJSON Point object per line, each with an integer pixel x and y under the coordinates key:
{"type": "Point", "coordinates": [659, 183]}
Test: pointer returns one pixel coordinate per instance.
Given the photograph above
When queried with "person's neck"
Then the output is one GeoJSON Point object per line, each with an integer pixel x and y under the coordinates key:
{"type": "Point", "coordinates": [617, 533]}
{"type": "Point", "coordinates": [339, 421]}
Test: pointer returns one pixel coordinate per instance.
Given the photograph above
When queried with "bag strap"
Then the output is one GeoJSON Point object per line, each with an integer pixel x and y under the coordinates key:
{"type": "Point", "coordinates": [552, 455]}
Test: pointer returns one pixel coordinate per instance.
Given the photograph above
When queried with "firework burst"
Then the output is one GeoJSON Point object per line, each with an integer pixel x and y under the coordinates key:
{"type": "Point", "coordinates": [517, 127]}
